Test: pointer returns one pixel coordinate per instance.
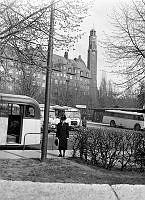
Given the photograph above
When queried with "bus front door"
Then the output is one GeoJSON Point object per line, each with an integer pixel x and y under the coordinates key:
{"type": "Point", "coordinates": [14, 129]}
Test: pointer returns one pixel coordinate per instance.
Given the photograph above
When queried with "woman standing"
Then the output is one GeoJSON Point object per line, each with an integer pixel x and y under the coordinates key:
{"type": "Point", "coordinates": [62, 134]}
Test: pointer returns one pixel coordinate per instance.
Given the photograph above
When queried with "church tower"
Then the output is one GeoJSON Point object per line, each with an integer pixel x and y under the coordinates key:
{"type": "Point", "coordinates": [92, 66]}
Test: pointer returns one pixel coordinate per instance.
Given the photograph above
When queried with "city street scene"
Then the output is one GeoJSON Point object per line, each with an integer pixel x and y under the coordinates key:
{"type": "Point", "coordinates": [72, 99]}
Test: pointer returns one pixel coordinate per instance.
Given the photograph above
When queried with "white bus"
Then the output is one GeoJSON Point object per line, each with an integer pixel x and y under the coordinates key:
{"type": "Point", "coordinates": [19, 120]}
{"type": "Point", "coordinates": [126, 119]}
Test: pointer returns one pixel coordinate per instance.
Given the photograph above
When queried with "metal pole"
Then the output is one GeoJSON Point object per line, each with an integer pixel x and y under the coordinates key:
{"type": "Point", "coordinates": [67, 85]}
{"type": "Point", "coordinates": [48, 86]}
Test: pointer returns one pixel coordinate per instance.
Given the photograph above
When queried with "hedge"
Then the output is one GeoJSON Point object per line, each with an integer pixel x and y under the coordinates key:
{"type": "Point", "coordinates": [110, 147]}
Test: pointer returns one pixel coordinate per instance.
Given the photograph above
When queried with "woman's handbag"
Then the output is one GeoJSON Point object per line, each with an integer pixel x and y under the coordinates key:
{"type": "Point", "coordinates": [56, 142]}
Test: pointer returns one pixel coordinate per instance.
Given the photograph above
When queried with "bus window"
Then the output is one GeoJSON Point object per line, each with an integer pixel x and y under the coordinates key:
{"type": "Point", "coordinates": [72, 114]}
{"type": "Point", "coordinates": [3, 110]}
{"type": "Point", "coordinates": [141, 118]}
{"type": "Point", "coordinates": [15, 109]}
{"type": "Point", "coordinates": [29, 112]}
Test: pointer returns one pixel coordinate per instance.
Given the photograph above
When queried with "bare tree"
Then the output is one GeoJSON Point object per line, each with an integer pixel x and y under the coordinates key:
{"type": "Point", "coordinates": [107, 94]}
{"type": "Point", "coordinates": [126, 46]}
{"type": "Point", "coordinates": [20, 27]}
{"type": "Point", "coordinates": [24, 32]}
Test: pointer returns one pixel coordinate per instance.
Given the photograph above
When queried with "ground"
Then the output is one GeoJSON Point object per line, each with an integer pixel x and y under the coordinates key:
{"type": "Point", "coordinates": [65, 171]}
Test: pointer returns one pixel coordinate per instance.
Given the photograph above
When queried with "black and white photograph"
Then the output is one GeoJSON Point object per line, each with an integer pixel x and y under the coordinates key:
{"type": "Point", "coordinates": [72, 99]}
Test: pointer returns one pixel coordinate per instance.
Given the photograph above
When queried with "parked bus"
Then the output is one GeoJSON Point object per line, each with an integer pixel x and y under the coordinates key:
{"type": "Point", "coordinates": [126, 119]}
{"type": "Point", "coordinates": [19, 120]}
{"type": "Point", "coordinates": [98, 113]}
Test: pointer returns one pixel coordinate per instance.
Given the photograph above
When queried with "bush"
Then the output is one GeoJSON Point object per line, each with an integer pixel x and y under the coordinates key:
{"type": "Point", "coordinates": [110, 147]}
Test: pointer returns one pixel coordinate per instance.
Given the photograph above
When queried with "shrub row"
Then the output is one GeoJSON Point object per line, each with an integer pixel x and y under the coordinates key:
{"type": "Point", "coordinates": [110, 147]}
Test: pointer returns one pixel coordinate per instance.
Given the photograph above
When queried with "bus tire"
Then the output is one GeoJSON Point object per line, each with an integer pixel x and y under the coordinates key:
{"type": "Point", "coordinates": [112, 123]}
{"type": "Point", "coordinates": [137, 127]}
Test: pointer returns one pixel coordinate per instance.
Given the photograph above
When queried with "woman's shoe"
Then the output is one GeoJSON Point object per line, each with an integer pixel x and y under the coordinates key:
{"type": "Point", "coordinates": [59, 155]}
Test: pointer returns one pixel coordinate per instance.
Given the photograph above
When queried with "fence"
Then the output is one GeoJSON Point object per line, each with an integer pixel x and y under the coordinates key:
{"type": "Point", "coordinates": [51, 138]}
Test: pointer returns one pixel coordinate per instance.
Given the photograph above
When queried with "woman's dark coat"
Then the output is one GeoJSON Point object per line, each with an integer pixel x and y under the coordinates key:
{"type": "Point", "coordinates": [62, 133]}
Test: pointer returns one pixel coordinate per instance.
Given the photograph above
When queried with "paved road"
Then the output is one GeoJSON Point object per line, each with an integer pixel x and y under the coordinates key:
{"type": "Point", "coordinates": [94, 124]}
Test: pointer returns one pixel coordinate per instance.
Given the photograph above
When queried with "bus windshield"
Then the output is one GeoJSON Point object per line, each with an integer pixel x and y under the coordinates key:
{"type": "Point", "coordinates": [72, 114]}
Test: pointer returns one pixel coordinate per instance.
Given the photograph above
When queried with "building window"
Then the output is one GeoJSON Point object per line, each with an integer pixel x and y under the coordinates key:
{"type": "Point", "coordinates": [69, 70]}
{"type": "Point", "coordinates": [43, 85]}
{"type": "Point", "coordinates": [75, 70]}
{"type": "Point", "coordinates": [60, 67]}
{"type": "Point", "coordinates": [81, 73]}
{"type": "Point", "coordinates": [56, 81]}
{"type": "Point", "coordinates": [11, 71]}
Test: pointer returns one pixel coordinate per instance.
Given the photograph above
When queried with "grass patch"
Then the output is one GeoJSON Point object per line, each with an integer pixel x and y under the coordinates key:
{"type": "Point", "coordinates": [65, 171]}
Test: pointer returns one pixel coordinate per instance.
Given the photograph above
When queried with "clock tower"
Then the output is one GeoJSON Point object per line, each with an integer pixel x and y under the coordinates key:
{"type": "Point", "coordinates": [92, 66]}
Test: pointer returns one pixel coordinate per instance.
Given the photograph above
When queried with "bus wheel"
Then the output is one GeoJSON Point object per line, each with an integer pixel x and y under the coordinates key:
{"type": "Point", "coordinates": [137, 127]}
{"type": "Point", "coordinates": [112, 123]}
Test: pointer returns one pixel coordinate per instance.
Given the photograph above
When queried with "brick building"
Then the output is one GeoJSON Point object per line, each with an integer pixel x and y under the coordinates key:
{"type": "Point", "coordinates": [73, 82]}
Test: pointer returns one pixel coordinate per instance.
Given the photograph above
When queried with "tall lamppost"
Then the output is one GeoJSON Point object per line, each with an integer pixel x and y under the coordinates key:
{"type": "Point", "coordinates": [67, 87]}
{"type": "Point", "coordinates": [48, 86]}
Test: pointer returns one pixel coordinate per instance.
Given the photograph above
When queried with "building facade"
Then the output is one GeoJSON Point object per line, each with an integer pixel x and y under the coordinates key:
{"type": "Point", "coordinates": [72, 81]}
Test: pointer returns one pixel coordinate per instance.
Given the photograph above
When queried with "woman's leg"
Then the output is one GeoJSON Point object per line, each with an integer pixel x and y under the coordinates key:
{"type": "Point", "coordinates": [60, 154]}
{"type": "Point", "coordinates": [63, 153]}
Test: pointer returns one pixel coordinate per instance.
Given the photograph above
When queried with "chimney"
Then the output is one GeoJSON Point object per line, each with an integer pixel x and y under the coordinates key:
{"type": "Point", "coordinates": [66, 55]}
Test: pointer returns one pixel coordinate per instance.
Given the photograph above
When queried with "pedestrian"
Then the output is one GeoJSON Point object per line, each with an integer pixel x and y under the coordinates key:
{"type": "Point", "coordinates": [84, 122]}
{"type": "Point", "coordinates": [62, 133]}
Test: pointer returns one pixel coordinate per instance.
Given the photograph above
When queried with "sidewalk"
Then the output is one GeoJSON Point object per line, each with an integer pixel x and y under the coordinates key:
{"type": "Point", "coordinates": [20, 190]}
{"type": "Point", "coordinates": [25, 154]}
